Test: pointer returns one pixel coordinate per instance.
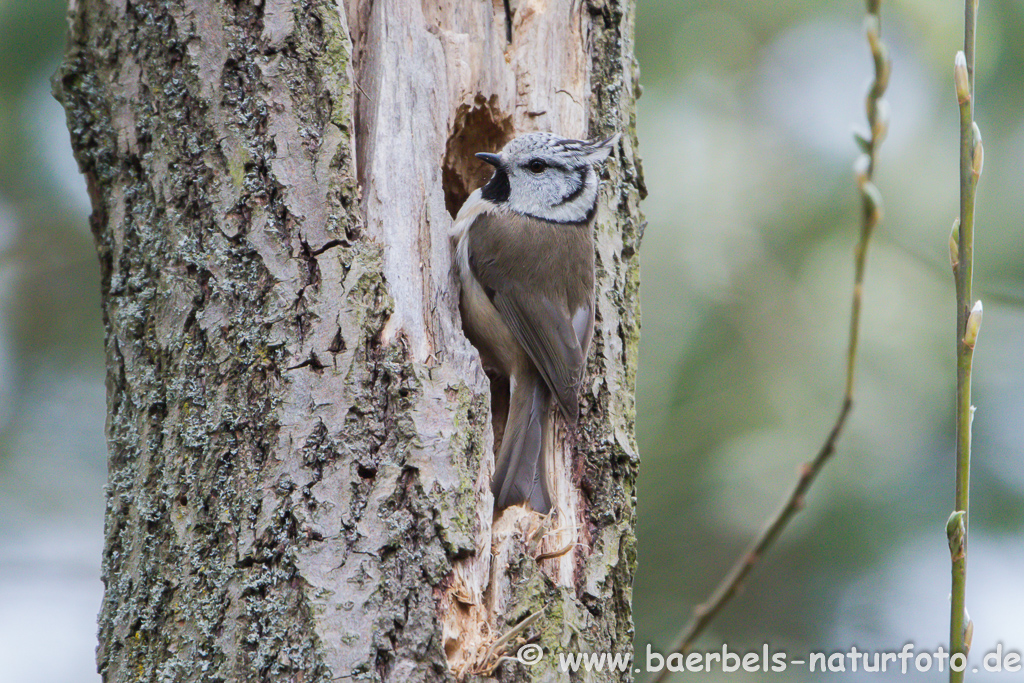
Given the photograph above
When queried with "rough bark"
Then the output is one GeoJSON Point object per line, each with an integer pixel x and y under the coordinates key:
{"type": "Point", "coordinates": [300, 436]}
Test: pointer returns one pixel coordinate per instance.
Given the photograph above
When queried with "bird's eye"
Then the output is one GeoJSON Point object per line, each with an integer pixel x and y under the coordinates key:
{"type": "Point", "coordinates": [537, 165]}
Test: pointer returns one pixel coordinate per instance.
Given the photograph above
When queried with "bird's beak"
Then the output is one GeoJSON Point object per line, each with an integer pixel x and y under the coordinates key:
{"type": "Point", "coordinates": [492, 159]}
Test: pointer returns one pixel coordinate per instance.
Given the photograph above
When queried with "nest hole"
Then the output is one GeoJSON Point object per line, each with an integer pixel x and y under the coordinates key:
{"type": "Point", "coordinates": [478, 127]}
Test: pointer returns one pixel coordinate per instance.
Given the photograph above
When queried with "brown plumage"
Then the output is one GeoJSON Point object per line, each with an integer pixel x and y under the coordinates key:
{"type": "Point", "coordinates": [528, 298]}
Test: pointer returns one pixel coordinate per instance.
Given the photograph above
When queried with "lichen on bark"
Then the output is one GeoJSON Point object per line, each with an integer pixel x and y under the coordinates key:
{"type": "Point", "coordinates": [299, 434]}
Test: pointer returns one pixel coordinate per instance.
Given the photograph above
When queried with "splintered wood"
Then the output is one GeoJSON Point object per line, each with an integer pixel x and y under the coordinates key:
{"type": "Point", "coordinates": [474, 92]}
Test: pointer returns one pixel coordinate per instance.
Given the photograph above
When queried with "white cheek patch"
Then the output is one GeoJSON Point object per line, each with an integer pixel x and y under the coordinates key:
{"type": "Point", "coordinates": [563, 214]}
{"type": "Point", "coordinates": [543, 198]}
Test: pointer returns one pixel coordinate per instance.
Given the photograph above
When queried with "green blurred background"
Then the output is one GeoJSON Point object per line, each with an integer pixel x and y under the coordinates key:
{"type": "Point", "coordinates": [745, 130]}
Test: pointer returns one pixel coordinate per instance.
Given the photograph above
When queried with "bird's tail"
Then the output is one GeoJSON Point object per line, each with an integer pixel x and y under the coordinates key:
{"type": "Point", "coordinates": [519, 471]}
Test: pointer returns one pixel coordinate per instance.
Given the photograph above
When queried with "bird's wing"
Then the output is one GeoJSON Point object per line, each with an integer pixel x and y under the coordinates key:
{"type": "Point", "coordinates": [518, 284]}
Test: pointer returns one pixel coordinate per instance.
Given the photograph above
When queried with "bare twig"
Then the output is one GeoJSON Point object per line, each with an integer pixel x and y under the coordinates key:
{"type": "Point", "coordinates": [493, 658]}
{"type": "Point", "coordinates": [968, 324]}
{"type": "Point", "coordinates": [871, 213]}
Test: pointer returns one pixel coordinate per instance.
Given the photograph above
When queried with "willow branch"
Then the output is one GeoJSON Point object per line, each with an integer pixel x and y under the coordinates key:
{"type": "Point", "coordinates": [968, 324]}
{"type": "Point", "coordinates": [871, 213]}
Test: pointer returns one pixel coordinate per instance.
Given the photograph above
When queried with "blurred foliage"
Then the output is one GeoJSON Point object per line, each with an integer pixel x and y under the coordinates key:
{"type": "Point", "coordinates": [747, 267]}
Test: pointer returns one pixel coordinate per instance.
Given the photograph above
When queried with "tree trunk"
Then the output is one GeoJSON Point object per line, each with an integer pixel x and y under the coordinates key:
{"type": "Point", "coordinates": [299, 434]}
